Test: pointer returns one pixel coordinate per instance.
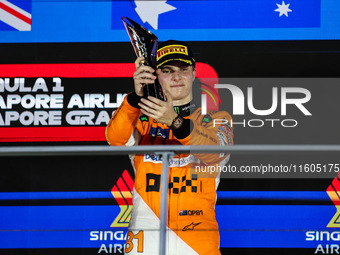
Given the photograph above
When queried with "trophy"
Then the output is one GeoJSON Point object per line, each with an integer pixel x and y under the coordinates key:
{"type": "Point", "coordinates": [145, 44]}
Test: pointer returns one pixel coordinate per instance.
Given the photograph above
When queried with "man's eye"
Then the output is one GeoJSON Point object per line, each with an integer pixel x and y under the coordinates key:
{"type": "Point", "coordinates": [165, 71]}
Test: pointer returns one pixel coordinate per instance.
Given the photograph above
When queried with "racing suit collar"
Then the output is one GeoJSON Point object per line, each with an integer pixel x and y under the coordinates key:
{"type": "Point", "coordinates": [186, 109]}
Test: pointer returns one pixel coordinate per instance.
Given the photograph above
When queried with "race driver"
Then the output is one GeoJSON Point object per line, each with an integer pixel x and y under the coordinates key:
{"type": "Point", "coordinates": [192, 226]}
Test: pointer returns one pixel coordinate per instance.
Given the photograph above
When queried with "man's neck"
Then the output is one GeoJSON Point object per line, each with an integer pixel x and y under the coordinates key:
{"type": "Point", "coordinates": [182, 101]}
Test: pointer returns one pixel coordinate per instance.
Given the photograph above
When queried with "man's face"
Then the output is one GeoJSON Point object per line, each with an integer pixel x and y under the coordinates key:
{"type": "Point", "coordinates": [177, 78]}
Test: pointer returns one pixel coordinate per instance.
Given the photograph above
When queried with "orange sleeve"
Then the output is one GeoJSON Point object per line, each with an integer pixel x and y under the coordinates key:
{"type": "Point", "coordinates": [122, 124]}
{"type": "Point", "coordinates": [211, 129]}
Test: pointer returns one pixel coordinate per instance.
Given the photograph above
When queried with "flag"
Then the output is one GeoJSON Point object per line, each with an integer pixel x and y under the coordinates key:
{"type": "Point", "coordinates": [15, 15]}
{"type": "Point", "coordinates": [217, 14]}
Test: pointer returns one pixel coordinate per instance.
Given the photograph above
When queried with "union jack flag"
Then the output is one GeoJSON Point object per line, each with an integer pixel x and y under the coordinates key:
{"type": "Point", "coordinates": [15, 15]}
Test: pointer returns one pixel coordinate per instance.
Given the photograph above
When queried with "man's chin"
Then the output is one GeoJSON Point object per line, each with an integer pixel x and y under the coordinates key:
{"type": "Point", "coordinates": [176, 96]}
{"type": "Point", "coordinates": [177, 92]}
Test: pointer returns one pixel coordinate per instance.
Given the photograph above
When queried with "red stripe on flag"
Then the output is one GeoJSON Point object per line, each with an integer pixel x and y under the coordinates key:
{"type": "Point", "coordinates": [15, 13]}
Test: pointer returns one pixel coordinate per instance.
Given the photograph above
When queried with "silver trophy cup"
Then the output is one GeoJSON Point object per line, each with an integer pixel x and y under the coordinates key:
{"type": "Point", "coordinates": [145, 45]}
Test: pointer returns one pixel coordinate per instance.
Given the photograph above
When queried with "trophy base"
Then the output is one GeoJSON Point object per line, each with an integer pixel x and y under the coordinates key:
{"type": "Point", "coordinates": [153, 90]}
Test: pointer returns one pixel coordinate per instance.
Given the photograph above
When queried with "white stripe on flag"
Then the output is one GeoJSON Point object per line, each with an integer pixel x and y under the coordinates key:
{"type": "Point", "coordinates": [14, 21]}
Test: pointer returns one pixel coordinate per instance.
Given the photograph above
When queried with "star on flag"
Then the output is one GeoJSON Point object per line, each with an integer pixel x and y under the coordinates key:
{"type": "Point", "coordinates": [149, 11]}
{"type": "Point", "coordinates": [283, 9]}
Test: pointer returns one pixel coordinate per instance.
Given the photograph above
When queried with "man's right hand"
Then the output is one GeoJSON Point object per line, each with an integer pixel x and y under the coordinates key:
{"type": "Point", "coordinates": [143, 75]}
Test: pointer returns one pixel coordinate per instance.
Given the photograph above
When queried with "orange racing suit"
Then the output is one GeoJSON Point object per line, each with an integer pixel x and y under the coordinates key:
{"type": "Point", "coordinates": [192, 226]}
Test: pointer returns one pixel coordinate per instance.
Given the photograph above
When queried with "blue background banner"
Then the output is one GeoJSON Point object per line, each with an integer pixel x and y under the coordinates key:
{"type": "Point", "coordinates": [100, 21]}
{"type": "Point", "coordinates": [244, 226]}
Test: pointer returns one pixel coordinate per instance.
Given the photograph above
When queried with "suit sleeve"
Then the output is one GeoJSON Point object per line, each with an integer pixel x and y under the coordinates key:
{"type": "Point", "coordinates": [122, 128]}
{"type": "Point", "coordinates": [213, 128]}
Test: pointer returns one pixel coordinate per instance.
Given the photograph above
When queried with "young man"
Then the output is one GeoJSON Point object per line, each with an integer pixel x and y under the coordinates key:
{"type": "Point", "coordinates": [192, 225]}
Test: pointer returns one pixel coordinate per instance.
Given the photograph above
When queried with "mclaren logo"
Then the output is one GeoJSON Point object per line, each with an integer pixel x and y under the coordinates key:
{"type": "Point", "coordinates": [122, 192]}
{"type": "Point", "coordinates": [333, 192]}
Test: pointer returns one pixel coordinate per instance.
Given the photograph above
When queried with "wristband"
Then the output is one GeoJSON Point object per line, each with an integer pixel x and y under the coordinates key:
{"type": "Point", "coordinates": [133, 99]}
{"type": "Point", "coordinates": [176, 123]}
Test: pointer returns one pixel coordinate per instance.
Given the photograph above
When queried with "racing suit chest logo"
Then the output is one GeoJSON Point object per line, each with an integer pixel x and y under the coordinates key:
{"type": "Point", "coordinates": [158, 131]}
{"type": "Point", "coordinates": [190, 212]}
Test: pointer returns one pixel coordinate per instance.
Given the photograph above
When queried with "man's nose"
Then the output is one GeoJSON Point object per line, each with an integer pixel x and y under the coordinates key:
{"type": "Point", "coordinates": [176, 75]}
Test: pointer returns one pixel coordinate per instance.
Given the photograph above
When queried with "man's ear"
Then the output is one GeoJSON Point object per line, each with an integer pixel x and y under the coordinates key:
{"type": "Point", "coordinates": [194, 73]}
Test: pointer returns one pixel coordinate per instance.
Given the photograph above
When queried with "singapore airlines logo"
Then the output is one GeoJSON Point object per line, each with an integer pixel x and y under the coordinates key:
{"type": "Point", "coordinates": [122, 192]}
{"type": "Point", "coordinates": [333, 192]}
